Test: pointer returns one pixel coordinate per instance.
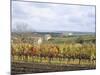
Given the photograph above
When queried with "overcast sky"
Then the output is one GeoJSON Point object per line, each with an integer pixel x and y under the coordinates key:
{"type": "Point", "coordinates": [53, 17]}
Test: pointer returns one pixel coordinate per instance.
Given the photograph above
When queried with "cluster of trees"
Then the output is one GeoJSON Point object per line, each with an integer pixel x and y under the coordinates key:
{"type": "Point", "coordinates": [51, 52]}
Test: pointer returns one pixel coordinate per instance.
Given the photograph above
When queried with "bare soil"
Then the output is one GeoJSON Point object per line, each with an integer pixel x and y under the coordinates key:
{"type": "Point", "coordinates": [30, 67]}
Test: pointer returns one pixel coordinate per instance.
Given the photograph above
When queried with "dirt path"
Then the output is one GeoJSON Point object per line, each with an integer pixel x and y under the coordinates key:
{"type": "Point", "coordinates": [25, 68]}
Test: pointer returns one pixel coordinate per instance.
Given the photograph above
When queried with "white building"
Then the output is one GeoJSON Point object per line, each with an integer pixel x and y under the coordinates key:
{"type": "Point", "coordinates": [39, 41]}
{"type": "Point", "coordinates": [70, 34]}
{"type": "Point", "coordinates": [48, 37]}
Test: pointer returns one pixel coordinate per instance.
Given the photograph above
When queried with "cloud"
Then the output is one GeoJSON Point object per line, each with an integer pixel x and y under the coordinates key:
{"type": "Point", "coordinates": [53, 17]}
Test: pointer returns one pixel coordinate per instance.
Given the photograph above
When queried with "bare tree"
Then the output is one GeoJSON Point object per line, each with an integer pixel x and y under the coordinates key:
{"type": "Point", "coordinates": [22, 27]}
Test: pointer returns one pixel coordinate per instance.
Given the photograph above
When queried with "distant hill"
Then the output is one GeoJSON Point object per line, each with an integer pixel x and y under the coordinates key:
{"type": "Point", "coordinates": [56, 33]}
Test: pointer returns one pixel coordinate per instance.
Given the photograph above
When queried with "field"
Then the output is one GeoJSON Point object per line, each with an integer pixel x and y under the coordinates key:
{"type": "Point", "coordinates": [39, 52]}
